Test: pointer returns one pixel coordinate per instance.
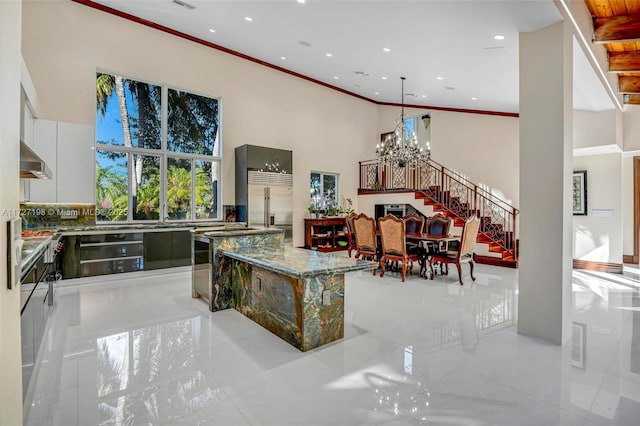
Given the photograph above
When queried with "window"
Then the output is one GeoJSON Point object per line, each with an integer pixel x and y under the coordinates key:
{"type": "Point", "coordinates": [158, 152]}
{"type": "Point", "coordinates": [324, 190]}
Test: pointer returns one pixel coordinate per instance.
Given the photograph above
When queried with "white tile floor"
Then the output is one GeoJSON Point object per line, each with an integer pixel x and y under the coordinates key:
{"type": "Point", "coordinates": [138, 350]}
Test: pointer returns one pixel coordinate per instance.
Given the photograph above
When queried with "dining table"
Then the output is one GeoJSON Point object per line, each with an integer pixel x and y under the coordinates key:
{"type": "Point", "coordinates": [439, 243]}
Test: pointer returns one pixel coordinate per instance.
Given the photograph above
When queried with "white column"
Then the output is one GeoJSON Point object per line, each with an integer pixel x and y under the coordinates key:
{"type": "Point", "coordinates": [10, 62]}
{"type": "Point", "coordinates": [546, 136]}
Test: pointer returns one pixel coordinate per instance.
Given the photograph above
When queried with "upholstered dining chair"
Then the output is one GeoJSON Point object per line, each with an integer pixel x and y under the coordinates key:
{"type": "Point", "coordinates": [438, 224]}
{"type": "Point", "coordinates": [413, 223]}
{"type": "Point", "coordinates": [365, 234]}
{"type": "Point", "coordinates": [351, 232]}
{"type": "Point", "coordinates": [394, 244]}
{"type": "Point", "coordinates": [465, 250]}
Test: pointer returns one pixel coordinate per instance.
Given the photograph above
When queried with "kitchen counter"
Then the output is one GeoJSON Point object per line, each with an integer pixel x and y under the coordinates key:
{"type": "Point", "coordinates": [144, 227]}
{"type": "Point", "coordinates": [299, 263]}
{"type": "Point", "coordinates": [31, 250]}
{"type": "Point", "coordinates": [296, 294]}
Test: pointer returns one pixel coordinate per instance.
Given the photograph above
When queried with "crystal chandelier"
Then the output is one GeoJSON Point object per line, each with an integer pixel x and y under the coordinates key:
{"type": "Point", "coordinates": [401, 147]}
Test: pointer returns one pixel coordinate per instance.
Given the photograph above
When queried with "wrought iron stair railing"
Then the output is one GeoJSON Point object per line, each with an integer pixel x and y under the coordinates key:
{"type": "Point", "coordinates": [455, 195]}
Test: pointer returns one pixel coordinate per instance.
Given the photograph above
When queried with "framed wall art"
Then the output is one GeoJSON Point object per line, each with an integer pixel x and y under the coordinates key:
{"type": "Point", "coordinates": [580, 193]}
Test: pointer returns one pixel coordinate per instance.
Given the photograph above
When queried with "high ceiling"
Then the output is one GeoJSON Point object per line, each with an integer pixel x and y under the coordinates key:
{"type": "Point", "coordinates": [447, 49]}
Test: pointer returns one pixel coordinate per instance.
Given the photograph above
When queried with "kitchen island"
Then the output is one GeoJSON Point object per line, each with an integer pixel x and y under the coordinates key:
{"type": "Point", "coordinates": [296, 294]}
{"type": "Point", "coordinates": [205, 259]}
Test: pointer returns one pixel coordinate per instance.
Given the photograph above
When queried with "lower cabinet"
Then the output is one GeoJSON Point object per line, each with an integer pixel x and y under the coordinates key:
{"type": "Point", "coordinates": [167, 249]}
{"type": "Point", "coordinates": [33, 320]}
{"type": "Point", "coordinates": [112, 253]}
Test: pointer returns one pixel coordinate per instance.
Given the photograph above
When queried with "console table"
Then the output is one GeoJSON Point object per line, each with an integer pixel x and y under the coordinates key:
{"type": "Point", "coordinates": [326, 234]}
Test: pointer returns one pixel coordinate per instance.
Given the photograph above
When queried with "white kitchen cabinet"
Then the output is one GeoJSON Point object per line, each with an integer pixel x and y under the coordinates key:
{"type": "Point", "coordinates": [27, 128]}
{"type": "Point", "coordinates": [68, 150]}
{"type": "Point", "coordinates": [45, 145]}
{"type": "Point", "coordinates": [76, 169]}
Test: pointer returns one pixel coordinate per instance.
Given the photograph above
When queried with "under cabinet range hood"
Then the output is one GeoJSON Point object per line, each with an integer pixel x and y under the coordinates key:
{"type": "Point", "coordinates": [32, 166]}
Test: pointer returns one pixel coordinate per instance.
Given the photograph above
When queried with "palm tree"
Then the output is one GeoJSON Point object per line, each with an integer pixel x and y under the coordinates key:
{"type": "Point", "coordinates": [178, 191]}
{"type": "Point", "coordinates": [105, 86]}
{"type": "Point", "coordinates": [204, 192]}
{"type": "Point", "coordinates": [111, 190]}
{"type": "Point", "coordinates": [148, 199]}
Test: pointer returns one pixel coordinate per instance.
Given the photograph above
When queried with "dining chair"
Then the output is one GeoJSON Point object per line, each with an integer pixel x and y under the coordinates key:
{"type": "Point", "coordinates": [365, 235]}
{"type": "Point", "coordinates": [351, 236]}
{"type": "Point", "coordinates": [413, 223]}
{"type": "Point", "coordinates": [394, 244]}
{"type": "Point", "coordinates": [465, 250]}
{"type": "Point", "coordinates": [438, 224]}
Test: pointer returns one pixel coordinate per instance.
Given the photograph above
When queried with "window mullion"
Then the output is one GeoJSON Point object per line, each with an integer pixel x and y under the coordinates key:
{"type": "Point", "coordinates": [132, 171]}
{"type": "Point", "coordinates": [164, 102]}
{"type": "Point", "coordinates": [193, 189]}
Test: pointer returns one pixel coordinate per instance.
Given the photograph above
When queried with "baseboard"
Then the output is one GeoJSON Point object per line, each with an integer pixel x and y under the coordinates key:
{"type": "Point", "coordinates": [612, 268]}
{"type": "Point", "coordinates": [495, 261]}
{"type": "Point", "coordinates": [628, 258]}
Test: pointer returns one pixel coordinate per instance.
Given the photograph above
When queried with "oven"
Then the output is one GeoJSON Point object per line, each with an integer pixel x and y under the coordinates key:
{"type": "Point", "coordinates": [397, 210]}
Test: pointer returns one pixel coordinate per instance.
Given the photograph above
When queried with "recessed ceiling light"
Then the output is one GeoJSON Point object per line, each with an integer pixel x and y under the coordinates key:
{"type": "Point", "coordinates": [301, 1]}
{"type": "Point", "coordinates": [424, 96]}
{"type": "Point", "coordinates": [498, 37]}
{"type": "Point", "coordinates": [283, 58]}
{"type": "Point", "coordinates": [328, 55]}
{"type": "Point", "coordinates": [335, 77]}
{"type": "Point", "coordinates": [384, 77]}
{"type": "Point", "coordinates": [439, 78]}
{"type": "Point", "coordinates": [474, 99]}
{"type": "Point", "coordinates": [386, 49]}
{"type": "Point", "coordinates": [248, 18]}
{"type": "Point", "coordinates": [184, 4]}
{"type": "Point", "coordinates": [376, 93]}
{"type": "Point", "coordinates": [211, 30]}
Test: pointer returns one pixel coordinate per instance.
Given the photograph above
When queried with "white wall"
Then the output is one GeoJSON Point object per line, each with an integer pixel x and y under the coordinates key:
{"type": "Point", "coordinates": [482, 147]}
{"type": "Point", "coordinates": [594, 128]}
{"type": "Point", "coordinates": [10, 61]}
{"type": "Point", "coordinates": [600, 239]}
{"type": "Point", "coordinates": [64, 43]}
{"type": "Point", "coordinates": [631, 127]}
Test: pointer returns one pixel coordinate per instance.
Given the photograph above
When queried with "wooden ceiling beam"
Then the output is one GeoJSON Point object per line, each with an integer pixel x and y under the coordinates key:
{"type": "Point", "coordinates": [628, 85]}
{"type": "Point", "coordinates": [624, 61]}
{"type": "Point", "coordinates": [632, 99]}
{"type": "Point", "coordinates": [617, 28]}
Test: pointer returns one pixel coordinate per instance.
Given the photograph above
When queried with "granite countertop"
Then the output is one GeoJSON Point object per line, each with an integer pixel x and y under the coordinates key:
{"type": "Point", "coordinates": [134, 227]}
{"type": "Point", "coordinates": [236, 231]}
{"type": "Point", "coordinates": [32, 248]}
{"type": "Point", "coordinates": [299, 263]}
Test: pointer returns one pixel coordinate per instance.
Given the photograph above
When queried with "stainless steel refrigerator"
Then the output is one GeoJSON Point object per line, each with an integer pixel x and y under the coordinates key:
{"type": "Point", "coordinates": [270, 200]}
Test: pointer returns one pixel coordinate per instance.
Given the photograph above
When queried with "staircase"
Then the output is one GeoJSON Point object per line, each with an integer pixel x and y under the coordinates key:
{"type": "Point", "coordinates": [456, 197]}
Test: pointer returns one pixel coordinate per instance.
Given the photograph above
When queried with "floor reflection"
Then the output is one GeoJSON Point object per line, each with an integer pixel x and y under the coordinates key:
{"type": "Point", "coordinates": [421, 352]}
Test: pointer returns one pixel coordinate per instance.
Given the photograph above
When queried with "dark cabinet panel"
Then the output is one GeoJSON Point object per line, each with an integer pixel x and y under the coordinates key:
{"type": "Point", "coordinates": [167, 249]}
{"type": "Point", "coordinates": [110, 251]}
{"type": "Point", "coordinates": [90, 255]}
{"type": "Point", "coordinates": [106, 267]}
{"type": "Point", "coordinates": [180, 248]}
{"type": "Point", "coordinates": [71, 257]}
{"type": "Point", "coordinates": [157, 250]}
